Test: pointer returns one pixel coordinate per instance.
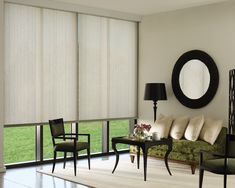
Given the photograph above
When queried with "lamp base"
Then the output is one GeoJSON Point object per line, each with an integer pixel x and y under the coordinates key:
{"type": "Point", "coordinates": [155, 110]}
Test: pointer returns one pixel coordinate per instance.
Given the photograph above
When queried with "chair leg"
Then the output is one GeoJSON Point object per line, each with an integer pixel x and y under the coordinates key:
{"type": "Point", "coordinates": [225, 180]}
{"type": "Point", "coordinates": [89, 158]}
{"type": "Point", "coordinates": [75, 162]}
{"type": "Point", "coordinates": [65, 157]}
{"type": "Point", "coordinates": [201, 173]}
{"type": "Point", "coordinates": [54, 160]}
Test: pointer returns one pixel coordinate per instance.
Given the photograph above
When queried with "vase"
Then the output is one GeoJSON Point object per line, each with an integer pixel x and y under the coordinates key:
{"type": "Point", "coordinates": [139, 134]}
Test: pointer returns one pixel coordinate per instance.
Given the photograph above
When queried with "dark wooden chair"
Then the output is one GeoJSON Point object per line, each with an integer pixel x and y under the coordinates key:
{"type": "Point", "coordinates": [223, 164]}
{"type": "Point", "coordinates": [69, 142]}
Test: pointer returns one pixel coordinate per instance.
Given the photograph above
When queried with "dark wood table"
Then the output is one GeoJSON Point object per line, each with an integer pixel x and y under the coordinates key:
{"type": "Point", "coordinates": [144, 145]}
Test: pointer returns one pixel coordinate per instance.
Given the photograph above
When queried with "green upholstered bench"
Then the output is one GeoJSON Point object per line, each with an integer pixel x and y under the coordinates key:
{"type": "Point", "coordinates": [185, 151]}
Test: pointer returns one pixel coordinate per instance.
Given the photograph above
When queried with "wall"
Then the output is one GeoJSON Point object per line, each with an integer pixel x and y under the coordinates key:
{"type": "Point", "coordinates": [166, 36]}
{"type": "Point", "coordinates": [2, 169]}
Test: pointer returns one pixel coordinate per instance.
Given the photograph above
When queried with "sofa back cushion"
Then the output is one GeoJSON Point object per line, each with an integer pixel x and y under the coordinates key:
{"type": "Point", "coordinates": [162, 126]}
{"type": "Point", "coordinates": [194, 127]}
{"type": "Point", "coordinates": [211, 130]}
{"type": "Point", "coordinates": [178, 127]}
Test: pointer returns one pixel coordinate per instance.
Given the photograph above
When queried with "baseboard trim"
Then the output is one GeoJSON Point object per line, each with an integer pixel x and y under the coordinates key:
{"type": "Point", "coordinates": [2, 169]}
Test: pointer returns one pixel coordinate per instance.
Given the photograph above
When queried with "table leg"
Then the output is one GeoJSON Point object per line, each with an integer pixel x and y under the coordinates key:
{"type": "Point", "coordinates": [138, 157]}
{"type": "Point", "coordinates": [145, 154]}
{"type": "Point", "coordinates": [117, 156]}
{"type": "Point", "coordinates": [166, 158]}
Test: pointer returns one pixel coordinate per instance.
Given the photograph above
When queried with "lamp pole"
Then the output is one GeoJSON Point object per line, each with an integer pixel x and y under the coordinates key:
{"type": "Point", "coordinates": [155, 110]}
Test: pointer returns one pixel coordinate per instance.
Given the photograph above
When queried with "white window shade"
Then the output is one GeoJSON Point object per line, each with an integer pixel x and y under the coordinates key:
{"type": "Point", "coordinates": [59, 65]}
{"type": "Point", "coordinates": [92, 32]}
{"type": "Point", "coordinates": [122, 63]}
{"type": "Point", "coordinates": [107, 68]}
{"type": "Point", "coordinates": [22, 58]}
{"type": "Point", "coordinates": [40, 65]}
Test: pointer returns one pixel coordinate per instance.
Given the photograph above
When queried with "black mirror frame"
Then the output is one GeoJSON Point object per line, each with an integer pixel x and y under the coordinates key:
{"type": "Point", "coordinates": [214, 79]}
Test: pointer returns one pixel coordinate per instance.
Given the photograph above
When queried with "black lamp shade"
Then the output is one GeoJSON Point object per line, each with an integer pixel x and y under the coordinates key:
{"type": "Point", "coordinates": [155, 91]}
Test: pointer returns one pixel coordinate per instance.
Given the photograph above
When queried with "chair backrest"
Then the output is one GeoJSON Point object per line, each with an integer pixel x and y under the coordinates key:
{"type": "Point", "coordinates": [230, 145]}
{"type": "Point", "coordinates": [57, 128]}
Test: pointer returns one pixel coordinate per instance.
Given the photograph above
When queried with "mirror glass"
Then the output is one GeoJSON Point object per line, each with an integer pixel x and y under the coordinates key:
{"type": "Point", "coordinates": [194, 79]}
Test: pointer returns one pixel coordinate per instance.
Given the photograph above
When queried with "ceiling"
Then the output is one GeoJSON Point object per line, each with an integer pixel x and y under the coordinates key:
{"type": "Point", "coordinates": [141, 7]}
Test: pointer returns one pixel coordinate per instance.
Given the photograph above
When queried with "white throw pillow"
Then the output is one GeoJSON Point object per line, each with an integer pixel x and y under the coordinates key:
{"type": "Point", "coordinates": [178, 127]}
{"type": "Point", "coordinates": [194, 127]}
{"type": "Point", "coordinates": [211, 130]}
{"type": "Point", "coordinates": [162, 126]}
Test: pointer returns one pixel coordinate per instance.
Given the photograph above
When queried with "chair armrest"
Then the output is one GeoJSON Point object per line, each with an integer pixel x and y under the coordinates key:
{"type": "Point", "coordinates": [75, 134]}
{"type": "Point", "coordinates": [64, 137]}
{"type": "Point", "coordinates": [213, 155]}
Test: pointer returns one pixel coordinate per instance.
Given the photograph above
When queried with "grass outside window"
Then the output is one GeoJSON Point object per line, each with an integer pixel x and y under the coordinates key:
{"type": "Point", "coordinates": [19, 144]}
{"type": "Point", "coordinates": [118, 128]}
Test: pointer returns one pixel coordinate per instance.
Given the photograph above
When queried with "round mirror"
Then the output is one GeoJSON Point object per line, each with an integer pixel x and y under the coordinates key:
{"type": "Point", "coordinates": [195, 79]}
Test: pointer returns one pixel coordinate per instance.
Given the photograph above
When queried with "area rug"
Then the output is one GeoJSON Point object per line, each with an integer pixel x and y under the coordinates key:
{"type": "Point", "coordinates": [128, 176]}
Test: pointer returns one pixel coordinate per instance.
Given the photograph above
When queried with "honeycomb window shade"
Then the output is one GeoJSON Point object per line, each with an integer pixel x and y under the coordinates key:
{"type": "Point", "coordinates": [107, 68]}
{"type": "Point", "coordinates": [61, 64]}
{"type": "Point", "coordinates": [40, 64]}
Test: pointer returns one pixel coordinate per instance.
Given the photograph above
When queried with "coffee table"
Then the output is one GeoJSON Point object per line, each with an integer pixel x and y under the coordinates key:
{"type": "Point", "coordinates": [144, 145]}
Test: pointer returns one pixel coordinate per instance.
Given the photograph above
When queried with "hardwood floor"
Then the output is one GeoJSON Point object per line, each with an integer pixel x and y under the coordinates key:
{"type": "Point", "coordinates": [29, 178]}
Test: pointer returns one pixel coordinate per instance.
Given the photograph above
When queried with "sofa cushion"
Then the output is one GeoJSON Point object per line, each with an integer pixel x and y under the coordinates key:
{"type": "Point", "coordinates": [162, 126]}
{"type": "Point", "coordinates": [194, 127]}
{"type": "Point", "coordinates": [178, 127]}
{"type": "Point", "coordinates": [211, 130]}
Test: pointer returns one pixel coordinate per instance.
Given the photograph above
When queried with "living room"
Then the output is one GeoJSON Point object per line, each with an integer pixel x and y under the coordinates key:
{"type": "Point", "coordinates": [166, 30]}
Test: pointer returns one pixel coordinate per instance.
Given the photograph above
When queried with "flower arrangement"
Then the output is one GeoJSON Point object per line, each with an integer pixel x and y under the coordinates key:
{"type": "Point", "coordinates": [140, 130]}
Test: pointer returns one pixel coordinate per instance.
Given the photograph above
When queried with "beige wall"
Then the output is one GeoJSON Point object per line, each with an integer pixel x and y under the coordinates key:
{"type": "Point", "coordinates": [166, 36]}
{"type": "Point", "coordinates": [2, 169]}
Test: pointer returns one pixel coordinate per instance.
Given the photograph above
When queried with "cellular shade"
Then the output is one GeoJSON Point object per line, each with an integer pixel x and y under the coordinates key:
{"type": "Point", "coordinates": [22, 60]}
{"type": "Point", "coordinates": [107, 68]}
{"type": "Point", "coordinates": [40, 64]}
{"type": "Point", "coordinates": [59, 65]}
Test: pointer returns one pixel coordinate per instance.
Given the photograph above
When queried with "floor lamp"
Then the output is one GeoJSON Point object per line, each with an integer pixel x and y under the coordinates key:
{"type": "Point", "coordinates": [155, 92]}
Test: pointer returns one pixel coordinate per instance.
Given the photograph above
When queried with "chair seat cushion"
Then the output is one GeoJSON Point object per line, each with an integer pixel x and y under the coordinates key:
{"type": "Point", "coordinates": [69, 146]}
{"type": "Point", "coordinates": [217, 166]}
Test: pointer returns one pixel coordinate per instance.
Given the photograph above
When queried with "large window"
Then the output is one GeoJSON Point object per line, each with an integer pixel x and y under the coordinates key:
{"type": "Point", "coordinates": [62, 64]}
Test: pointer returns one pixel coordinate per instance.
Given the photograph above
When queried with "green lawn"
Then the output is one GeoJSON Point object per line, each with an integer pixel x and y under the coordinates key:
{"type": "Point", "coordinates": [19, 142]}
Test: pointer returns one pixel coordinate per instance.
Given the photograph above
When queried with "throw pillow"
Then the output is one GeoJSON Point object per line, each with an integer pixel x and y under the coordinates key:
{"type": "Point", "coordinates": [162, 126]}
{"type": "Point", "coordinates": [194, 127]}
{"type": "Point", "coordinates": [211, 130]}
{"type": "Point", "coordinates": [178, 127]}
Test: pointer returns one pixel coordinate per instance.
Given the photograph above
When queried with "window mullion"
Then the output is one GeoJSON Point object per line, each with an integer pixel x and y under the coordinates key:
{"type": "Point", "coordinates": [105, 137]}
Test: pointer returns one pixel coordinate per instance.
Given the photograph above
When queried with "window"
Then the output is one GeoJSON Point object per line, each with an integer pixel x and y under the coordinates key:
{"type": "Point", "coordinates": [118, 128]}
{"type": "Point", "coordinates": [19, 144]}
{"type": "Point", "coordinates": [94, 128]}
{"type": "Point", "coordinates": [44, 79]}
